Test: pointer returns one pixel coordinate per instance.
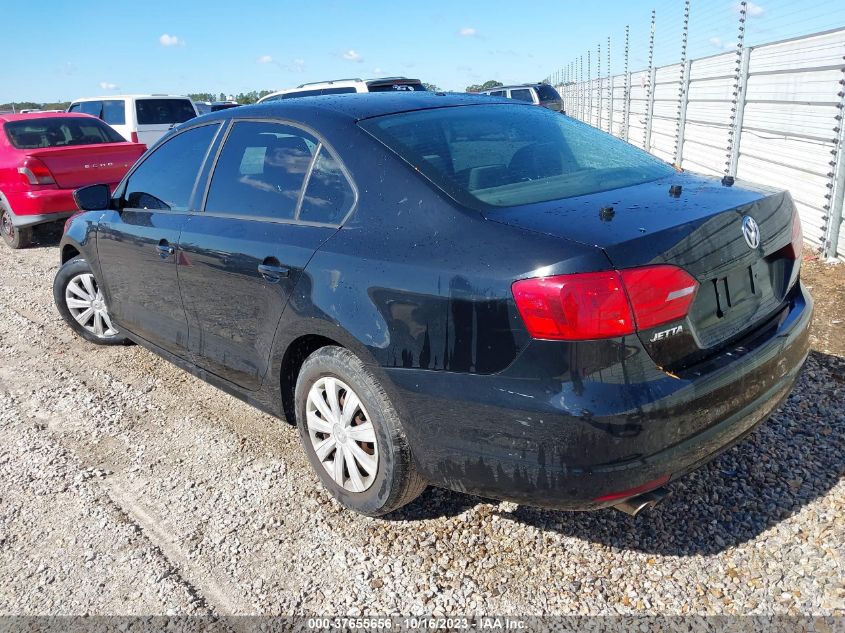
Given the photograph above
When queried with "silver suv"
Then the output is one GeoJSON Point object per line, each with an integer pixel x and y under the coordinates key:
{"type": "Point", "coordinates": [539, 94]}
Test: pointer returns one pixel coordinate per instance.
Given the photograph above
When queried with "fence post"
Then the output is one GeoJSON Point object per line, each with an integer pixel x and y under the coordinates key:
{"type": "Point", "coordinates": [682, 114]}
{"type": "Point", "coordinates": [649, 109]}
{"type": "Point", "coordinates": [626, 92]}
{"type": "Point", "coordinates": [742, 89]}
{"type": "Point", "coordinates": [837, 200]}
{"type": "Point", "coordinates": [600, 87]}
{"type": "Point", "coordinates": [650, 94]}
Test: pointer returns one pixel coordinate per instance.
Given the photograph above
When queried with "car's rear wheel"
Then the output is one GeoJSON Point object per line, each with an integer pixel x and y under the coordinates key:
{"type": "Point", "coordinates": [81, 303]}
{"type": "Point", "coordinates": [352, 434]}
{"type": "Point", "coordinates": [14, 236]}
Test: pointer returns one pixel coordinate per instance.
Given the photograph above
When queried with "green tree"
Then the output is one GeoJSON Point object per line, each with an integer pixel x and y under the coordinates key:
{"type": "Point", "coordinates": [432, 87]}
{"type": "Point", "coordinates": [487, 85]}
{"type": "Point", "coordinates": [201, 96]}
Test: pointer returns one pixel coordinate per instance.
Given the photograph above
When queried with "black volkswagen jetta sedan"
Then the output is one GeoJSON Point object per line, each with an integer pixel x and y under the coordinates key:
{"type": "Point", "coordinates": [451, 290]}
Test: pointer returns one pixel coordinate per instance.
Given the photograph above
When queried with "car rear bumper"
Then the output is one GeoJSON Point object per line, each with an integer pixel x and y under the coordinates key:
{"type": "Point", "coordinates": [43, 205]}
{"type": "Point", "coordinates": [566, 442]}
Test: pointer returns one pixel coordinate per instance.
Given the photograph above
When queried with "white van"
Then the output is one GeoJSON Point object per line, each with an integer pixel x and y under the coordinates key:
{"type": "Point", "coordinates": [138, 118]}
{"type": "Point", "coordinates": [341, 86]}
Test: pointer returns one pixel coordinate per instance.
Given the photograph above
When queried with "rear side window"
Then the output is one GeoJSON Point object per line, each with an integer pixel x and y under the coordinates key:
{"type": "Point", "coordinates": [522, 94]}
{"type": "Point", "coordinates": [114, 112]}
{"type": "Point", "coordinates": [328, 196]}
{"type": "Point", "coordinates": [260, 170]}
{"type": "Point", "coordinates": [546, 93]}
{"type": "Point", "coordinates": [163, 111]}
{"type": "Point", "coordinates": [165, 180]}
{"type": "Point", "coordinates": [94, 108]}
{"type": "Point", "coordinates": [508, 155]}
{"type": "Point", "coordinates": [60, 132]}
{"type": "Point", "coordinates": [497, 93]}
{"type": "Point", "coordinates": [302, 93]}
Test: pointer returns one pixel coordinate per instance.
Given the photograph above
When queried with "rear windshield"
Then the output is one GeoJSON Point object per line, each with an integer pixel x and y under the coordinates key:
{"type": "Point", "coordinates": [547, 93]}
{"type": "Point", "coordinates": [507, 155]}
{"type": "Point", "coordinates": [60, 132]}
{"type": "Point", "coordinates": [163, 111]}
{"type": "Point", "coordinates": [399, 86]}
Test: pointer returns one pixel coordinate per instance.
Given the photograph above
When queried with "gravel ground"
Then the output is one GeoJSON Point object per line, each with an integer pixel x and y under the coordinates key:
{"type": "Point", "coordinates": [129, 487]}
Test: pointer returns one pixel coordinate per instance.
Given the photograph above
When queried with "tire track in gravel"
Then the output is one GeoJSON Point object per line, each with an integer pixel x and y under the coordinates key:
{"type": "Point", "coordinates": [212, 595]}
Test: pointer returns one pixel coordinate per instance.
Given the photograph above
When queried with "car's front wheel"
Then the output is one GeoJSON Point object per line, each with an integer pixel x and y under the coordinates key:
{"type": "Point", "coordinates": [81, 303]}
{"type": "Point", "coordinates": [14, 236]}
{"type": "Point", "coordinates": [352, 434]}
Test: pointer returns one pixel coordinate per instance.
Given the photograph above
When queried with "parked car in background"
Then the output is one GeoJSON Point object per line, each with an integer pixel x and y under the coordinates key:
{"type": "Point", "coordinates": [539, 94]}
{"type": "Point", "coordinates": [204, 107]}
{"type": "Point", "coordinates": [437, 289]}
{"type": "Point", "coordinates": [347, 86]}
{"type": "Point", "coordinates": [44, 157]}
{"type": "Point", "coordinates": [138, 118]}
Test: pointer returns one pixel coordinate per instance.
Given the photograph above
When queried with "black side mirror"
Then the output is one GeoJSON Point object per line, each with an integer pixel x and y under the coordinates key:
{"type": "Point", "coordinates": [93, 197]}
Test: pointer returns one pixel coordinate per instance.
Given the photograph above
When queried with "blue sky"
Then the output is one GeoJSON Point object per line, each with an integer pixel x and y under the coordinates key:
{"type": "Point", "coordinates": [88, 47]}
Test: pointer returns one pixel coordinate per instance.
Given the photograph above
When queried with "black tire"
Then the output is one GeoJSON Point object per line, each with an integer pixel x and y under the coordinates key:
{"type": "Point", "coordinates": [68, 272]}
{"type": "Point", "coordinates": [15, 237]}
{"type": "Point", "coordinates": [397, 481]}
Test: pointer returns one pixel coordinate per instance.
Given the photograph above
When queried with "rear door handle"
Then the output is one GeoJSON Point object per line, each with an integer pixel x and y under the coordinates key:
{"type": "Point", "coordinates": [273, 272]}
{"type": "Point", "coordinates": [165, 250]}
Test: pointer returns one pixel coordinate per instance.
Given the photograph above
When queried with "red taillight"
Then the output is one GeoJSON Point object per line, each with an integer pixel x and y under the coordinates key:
{"type": "Point", "coordinates": [659, 294]}
{"type": "Point", "coordinates": [606, 304]}
{"type": "Point", "coordinates": [574, 307]}
{"type": "Point", "coordinates": [36, 172]}
{"type": "Point", "coordinates": [134, 137]}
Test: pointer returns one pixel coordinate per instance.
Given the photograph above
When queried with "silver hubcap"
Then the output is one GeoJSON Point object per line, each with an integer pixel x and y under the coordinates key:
{"type": "Point", "coordinates": [86, 304]}
{"type": "Point", "coordinates": [341, 433]}
{"type": "Point", "coordinates": [6, 225]}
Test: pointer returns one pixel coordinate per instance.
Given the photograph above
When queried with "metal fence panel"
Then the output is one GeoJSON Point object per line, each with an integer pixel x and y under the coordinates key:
{"type": "Point", "coordinates": [789, 120]}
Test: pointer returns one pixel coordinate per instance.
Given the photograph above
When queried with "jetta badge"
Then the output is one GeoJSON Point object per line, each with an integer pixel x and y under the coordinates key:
{"type": "Point", "coordinates": [750, 231]}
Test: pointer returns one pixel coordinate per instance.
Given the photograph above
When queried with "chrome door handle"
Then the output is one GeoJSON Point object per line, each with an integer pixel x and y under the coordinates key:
{"type": "Point", "coordinates": [273, 273]}
{"type": "Point", "coordinates": [164, 249]}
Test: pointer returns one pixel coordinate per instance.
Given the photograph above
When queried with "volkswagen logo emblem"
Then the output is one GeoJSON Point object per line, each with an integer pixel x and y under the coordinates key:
{"type": "Point", "coordinates": [750, 231]}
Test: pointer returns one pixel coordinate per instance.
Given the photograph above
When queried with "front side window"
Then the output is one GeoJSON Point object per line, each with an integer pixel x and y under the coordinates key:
{"type": "Point", "coordinates": [328, 195]}
{"type": "Point", "coordinates": [114, 112]}
{"type": "Point", "coordinates": [505, 155]}
{"type": "Point", "coordinates": [163, 111]}
{"type": "Point", "coordinates": [497, 93]}
{"type": "Point", "coordinates": [60, 132]}
{"type": "Point", "coordinates": [260, 171]}
{"type": "Point", "coordinates": [165, 180]}
{"type": "Point", "coordinates": [522, 94]}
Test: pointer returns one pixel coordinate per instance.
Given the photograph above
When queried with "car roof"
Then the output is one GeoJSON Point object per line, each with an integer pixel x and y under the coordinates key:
{"type": "Point", "coordinates": [531, 85]}
{"type": "Point", "coordinates": [45, 115]}
{"type": "Point", "coordinates": [357, 106]}
{"type": "Point", "coordinates": [138, 96]}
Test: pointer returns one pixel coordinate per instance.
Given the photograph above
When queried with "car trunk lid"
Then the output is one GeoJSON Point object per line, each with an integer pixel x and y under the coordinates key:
{"type": "Point", "coordinates": [698, 228]}
{"type": "Point", "coordinates": [80, 165]}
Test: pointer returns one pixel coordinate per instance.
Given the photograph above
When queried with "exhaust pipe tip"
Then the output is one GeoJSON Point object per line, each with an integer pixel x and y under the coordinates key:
{"type": "Point", "coordinates": [647, 500]}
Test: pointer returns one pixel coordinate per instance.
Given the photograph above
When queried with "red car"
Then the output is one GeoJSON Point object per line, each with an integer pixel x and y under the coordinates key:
{"type": "Point", "coordinates": [44, 157]}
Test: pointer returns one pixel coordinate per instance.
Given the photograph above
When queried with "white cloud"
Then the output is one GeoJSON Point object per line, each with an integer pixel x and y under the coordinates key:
{"type": "Point", "coordinates": [167, 40]}
{"type": "Point", "coordinates": [297, 65]}
{"type": "Point", "coordinates": [377, 70]}
{"type": "Point", "coordinates": [353, 56]}
{"type": "Point", "coordinates": [717, 42]}
{"type": "Point", "coordinates": [105, 85]}
{"type": "Point", "coordinates": [468, 31]}
{"type": "Point", "coordinates": [265, 59]}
